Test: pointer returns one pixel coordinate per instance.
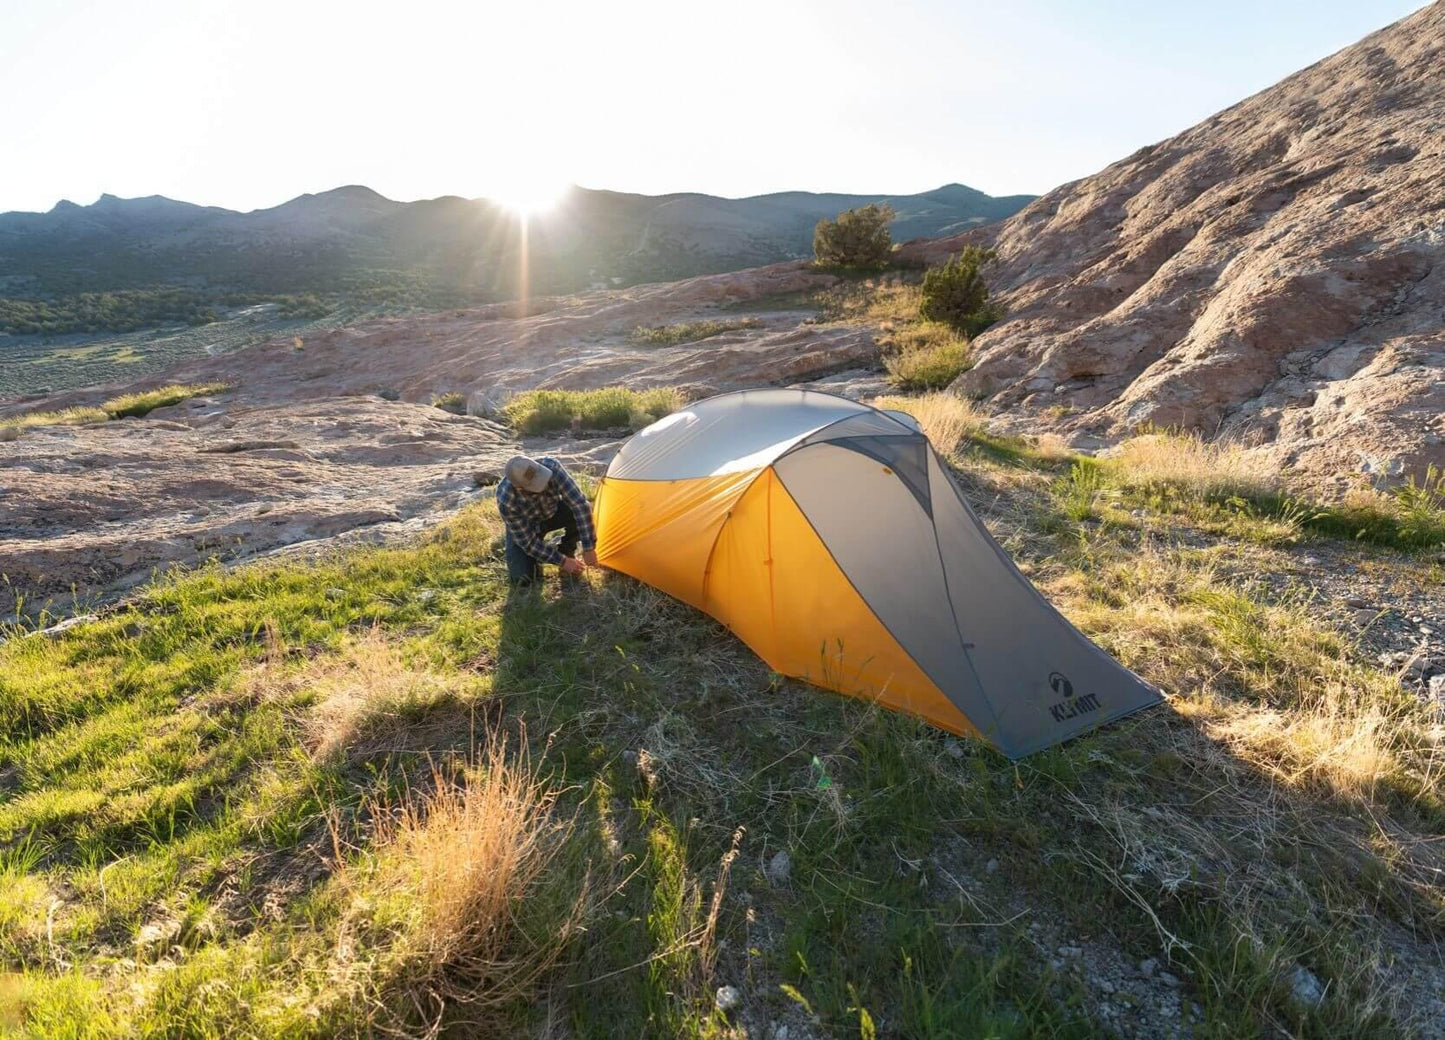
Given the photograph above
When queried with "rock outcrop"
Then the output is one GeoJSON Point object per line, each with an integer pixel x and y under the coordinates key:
{"type": "Point", "coordinates": [1275, 273]}
{"type": "Point", "coordinates": [335, 437]}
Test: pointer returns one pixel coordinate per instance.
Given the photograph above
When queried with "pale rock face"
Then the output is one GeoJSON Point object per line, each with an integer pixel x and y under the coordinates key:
{"type": "Point", "coordinates": [1277, 272]}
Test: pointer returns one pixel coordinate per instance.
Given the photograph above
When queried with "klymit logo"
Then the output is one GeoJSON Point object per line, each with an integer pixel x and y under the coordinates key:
{"type": "Point", "coordinates": [1070, 707]}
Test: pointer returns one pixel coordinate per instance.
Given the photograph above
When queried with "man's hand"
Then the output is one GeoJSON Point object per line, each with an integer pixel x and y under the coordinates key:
{"type": "Point", "coordinates": [589, 557]}
{"type": "Point", "coordinates": [571, 565]}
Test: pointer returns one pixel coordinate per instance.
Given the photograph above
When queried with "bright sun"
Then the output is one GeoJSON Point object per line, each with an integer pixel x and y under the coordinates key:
{"type": "Point", "coordinates": [528, 196]}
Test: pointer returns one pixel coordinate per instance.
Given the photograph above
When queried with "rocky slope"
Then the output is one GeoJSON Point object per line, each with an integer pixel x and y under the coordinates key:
{"type": "Point", "coordinates": [334, 435]}
{"type": "Point", "coordinates": [1274, 272]}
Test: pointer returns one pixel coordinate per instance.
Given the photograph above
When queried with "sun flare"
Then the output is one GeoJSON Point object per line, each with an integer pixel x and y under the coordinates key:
{"type": "Point", "coordinates": [529, 196]}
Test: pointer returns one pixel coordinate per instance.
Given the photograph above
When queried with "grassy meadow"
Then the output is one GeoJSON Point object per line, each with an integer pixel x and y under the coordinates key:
{"type": "Point", "coordinates": [379, 794]}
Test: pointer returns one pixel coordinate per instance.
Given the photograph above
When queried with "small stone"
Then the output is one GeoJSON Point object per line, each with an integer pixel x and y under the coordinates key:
{"type": "Point", "coordinates": [728, 998]}
{"type": "Point", "coordinates": [487, 477]}
{"type": "Point", "coordinates": [952, 748]}
{"type": "Point", "coordinates": [335, 593]}
{"type": "Point", "coordinates": [1172, 981]}
{"type": "Point", "coordinates": [389, 395]}
{"type": "Point", "coordinates": [1106, 986]}
{"type": "Point", "coordinates": [1070, 951]}
{"type": "Point", "coordinates": [426, 595]}
{"type": "Point", "coordinates": [1305, 987]}
{"type": "Point", "coordinates": [1364, 616]}
{"type": "Point", "coordinates": [780, 1032]}
{"type": "Point", "coordinates": [1357, 603]}
{"type": "Point", "coordinates": [9, 433]}
{"type": "Point", "coordinates": [991, 866]}
{"type": "Point", "coordinates": [1148, 967]}
{"type": "Point", "coordinates": [780, 867]}
{"type": "Point", "coordinates": [56, 631]}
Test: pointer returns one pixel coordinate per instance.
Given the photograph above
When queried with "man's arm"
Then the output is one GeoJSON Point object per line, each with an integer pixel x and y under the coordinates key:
{"type": "Point", "coordinates": [581, 508]}
{"type": "Point", "coordinates": [524, 532]}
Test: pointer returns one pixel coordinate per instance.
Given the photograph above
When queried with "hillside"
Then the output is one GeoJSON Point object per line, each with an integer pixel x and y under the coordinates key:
{"type": "Point", "coordinates": [353, 240]}
{"type": "Point", "coordinates": [1276, 272]}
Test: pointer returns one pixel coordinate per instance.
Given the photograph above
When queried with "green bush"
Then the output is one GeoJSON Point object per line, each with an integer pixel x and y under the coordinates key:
{"type": "Point", "coordinates": [856, 238]}
{"type": "Point", "coordinates": [956, 295]}
{"type": "Point", "coordinates": [542, 411]}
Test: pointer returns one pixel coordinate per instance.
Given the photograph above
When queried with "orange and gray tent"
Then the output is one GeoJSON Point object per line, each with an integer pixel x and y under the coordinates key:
{"type": "Point", "coordinates": [828, 536]}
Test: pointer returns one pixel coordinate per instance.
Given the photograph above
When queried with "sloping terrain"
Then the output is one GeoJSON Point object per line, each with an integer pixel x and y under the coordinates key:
{"type": "Point", "coordinates": [1277, 272]}
{"type": "Point", "coordinates": [375, 794]}
{"type": "Point", "coordinates": [335, 431]}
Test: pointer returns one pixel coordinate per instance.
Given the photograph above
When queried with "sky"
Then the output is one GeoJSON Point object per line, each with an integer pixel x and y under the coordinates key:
{"type": "Point", "coordinates": [247, 104]}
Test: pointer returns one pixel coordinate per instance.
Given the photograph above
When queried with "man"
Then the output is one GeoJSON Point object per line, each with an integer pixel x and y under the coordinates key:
{"type": "Point", "coordinates": [537, 496]}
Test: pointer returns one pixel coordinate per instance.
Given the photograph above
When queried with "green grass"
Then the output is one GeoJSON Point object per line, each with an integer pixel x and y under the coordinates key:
{"type": "Point", "coordinates": [143, 403]}
{"type": "Point", "coordinates": [194, 789]}
{"type": "Point", "coordinates": [79, 416]}
{"type": "Point", "coordinates": [543, 411]}
{"type": "Point", "coordinates": [926, 356]}
{"type": "Point", "coordinates": [134, 405]}
{"type": "Point", "coordinates": [689, 331]}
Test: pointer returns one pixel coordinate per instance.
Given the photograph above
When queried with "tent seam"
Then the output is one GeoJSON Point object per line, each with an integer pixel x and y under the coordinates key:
{"type": "Point", "coordinates": [878, 617]}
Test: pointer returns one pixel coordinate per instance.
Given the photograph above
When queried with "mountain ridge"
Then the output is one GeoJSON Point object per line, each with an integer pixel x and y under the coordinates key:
{"type": "Point", "coordinates": [352, 238]}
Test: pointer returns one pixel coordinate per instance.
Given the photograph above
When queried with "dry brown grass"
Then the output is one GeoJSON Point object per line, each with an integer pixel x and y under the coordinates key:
{"type": "Point", "coordinates": [372, 699]}
{"type": "Point", "coordinates": [1188, 462]}
{"type": "Point", "coordinates": [458, 896]}
{"type": "Point", "coordinates": [1264, 679]}
{"type": "Point", "coordinates": [945, 418]}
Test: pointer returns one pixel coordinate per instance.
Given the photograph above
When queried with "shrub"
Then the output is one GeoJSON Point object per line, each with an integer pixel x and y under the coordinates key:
{"type": "Point", "coordinates": [930, 357]}
{"type": "Point", "coordinates": [147, 401]}
{"type": "Point", "coordinates": [452, 401]}
{"type": "Point", "coordinates": [956, 295]}
{"type": "Point", "coordinates": [856, 237]}
{"type": "Point", "coordinates": [1421, 509]}
{"type": "Point", "coordinates": [541, 411]}
{"type": "Point", "coordinates": [945, 418]}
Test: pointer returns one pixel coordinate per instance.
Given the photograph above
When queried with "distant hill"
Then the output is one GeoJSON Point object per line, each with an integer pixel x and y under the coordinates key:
{"type": "Point", "coordinates": [353, 240]}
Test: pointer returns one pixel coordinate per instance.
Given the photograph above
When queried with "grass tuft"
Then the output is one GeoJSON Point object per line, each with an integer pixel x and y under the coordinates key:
{"type": "Point", "coordinates": [926, 356]}
{"type": "Point", "coordinates": [689, 331]}
{"type": "Point", "coordinates": [945, 418]}
{"type": "Point", "coordinates": [448, 891]}
{"type": "Point", "coordinates": [1187, 462]}
{"type": "Point", "coordinates": [453, 401]}
{"type": "Point", "coordinates": [146, 401]}
{"type": "Point", "coordinates": [125, 406]}
{"type": "Point", "coordinates": [65, 417]}
{"type": "Point", "coordinates": [542, 411]}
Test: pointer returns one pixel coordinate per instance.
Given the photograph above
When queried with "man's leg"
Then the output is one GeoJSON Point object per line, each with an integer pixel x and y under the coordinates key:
{"type": "Point", "coordinates": [571, 536]}
{"type": "Point", "coordinates": [521, 568]}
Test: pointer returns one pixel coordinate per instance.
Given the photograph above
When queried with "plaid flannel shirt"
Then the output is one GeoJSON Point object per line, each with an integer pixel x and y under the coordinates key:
{"type": "Point", "coordinates": [528, 517]}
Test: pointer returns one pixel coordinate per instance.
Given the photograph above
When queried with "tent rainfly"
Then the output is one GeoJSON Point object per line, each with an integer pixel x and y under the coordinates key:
{"type": "Point", "coordinates": [828, 536]}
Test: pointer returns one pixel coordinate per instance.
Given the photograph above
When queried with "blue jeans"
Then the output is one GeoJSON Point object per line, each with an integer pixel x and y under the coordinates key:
{"type": "Point", "coordinates": [523, 569]}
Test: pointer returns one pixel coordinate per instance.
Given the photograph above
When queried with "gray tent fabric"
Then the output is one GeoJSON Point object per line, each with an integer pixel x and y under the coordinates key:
{"type": "Point", "coordinates": [898, 528]}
